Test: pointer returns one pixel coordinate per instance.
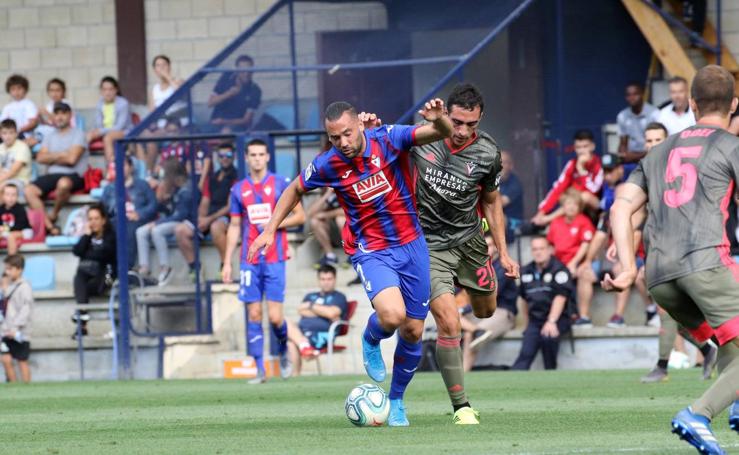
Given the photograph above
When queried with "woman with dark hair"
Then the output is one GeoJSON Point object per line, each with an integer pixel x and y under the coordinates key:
{"type": "Point", "coordinates": [97, 252]}
{"type": "Point", "coordinates": [112, 116]}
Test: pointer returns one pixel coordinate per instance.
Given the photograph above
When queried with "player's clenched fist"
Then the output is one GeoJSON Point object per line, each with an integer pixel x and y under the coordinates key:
{"type": "Point", "coordinates": [432, 110]}
{"type": "Point", "coordinates": [263, 242]}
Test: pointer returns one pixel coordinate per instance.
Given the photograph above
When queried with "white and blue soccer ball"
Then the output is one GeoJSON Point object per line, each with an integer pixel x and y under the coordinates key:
{"type": "Point", "coordinates": [367, 406]}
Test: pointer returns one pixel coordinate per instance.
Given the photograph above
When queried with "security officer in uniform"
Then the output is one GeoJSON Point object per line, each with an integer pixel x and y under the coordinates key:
{"type": "Point", "coordinates": [546, 287]}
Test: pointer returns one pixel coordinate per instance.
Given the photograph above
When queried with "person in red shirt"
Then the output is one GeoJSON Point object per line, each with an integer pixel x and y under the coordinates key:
{"type": "Point", "coordinates": [582, 173]}
{"type": "Point", "coordinates": [571, 232]}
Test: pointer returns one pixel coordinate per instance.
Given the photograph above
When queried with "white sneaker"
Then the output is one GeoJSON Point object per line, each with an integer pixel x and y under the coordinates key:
{"type": "Point", "coordinates": [164, 276]}
{"type": "Point", "coordinates": [286, 366]}
{"type": "Point", "coordinates": [654, 321]}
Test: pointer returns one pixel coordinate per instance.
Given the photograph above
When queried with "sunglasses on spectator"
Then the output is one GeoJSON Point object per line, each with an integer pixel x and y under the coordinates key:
{"type": "Point", "coordinates": [225, 154]}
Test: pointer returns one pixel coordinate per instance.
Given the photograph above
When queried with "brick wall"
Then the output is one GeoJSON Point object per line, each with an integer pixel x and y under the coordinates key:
{"type": "Point", "coordinates": [75, 39]}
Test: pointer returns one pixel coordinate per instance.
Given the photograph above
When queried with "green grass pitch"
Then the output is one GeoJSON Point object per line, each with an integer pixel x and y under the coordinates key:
{"type": "Point", "coordinates": [564, 412]}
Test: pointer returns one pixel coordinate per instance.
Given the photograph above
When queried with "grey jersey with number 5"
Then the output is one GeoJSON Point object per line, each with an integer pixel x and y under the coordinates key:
{"type": "Point", "coordinates": [689, 180]}
{"type": "Point", "coordinates": [448, 188]}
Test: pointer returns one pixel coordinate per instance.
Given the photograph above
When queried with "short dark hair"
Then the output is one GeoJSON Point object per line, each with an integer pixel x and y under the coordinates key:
{"type": "Point", "coordinates": [111, 80]}
{"type": "Point", "coordinates": [335, 110]}
{"type": "Point", "coordinates": [244, 58]}
{"type": "Point", "coordinates": [160, 57]}
{"type": "Point", "coordinates": [61, 106]}
{"type": "Point", "coordinates": [466, 96]}
{"type": "Point", "coordinates": [256, 142]}
{"type": "Point", "coordinates": [227, 145]}
{"type": "Point", "coordinates": [15, 260]}
{"type": "Point", "coordinates": [677, 79]}
{"type": "Point", "coordinates": [58, 82]}
{"type": "Point", "coordinates": [636, 84]}
{"type": "Point", "coordinates": [583, 135]}
{"type": "Point", "coordinates": [10, 185]}
{"type": "Point", "coordinates": [540, 237]}
{"type": "Point", "coordinates": [9, 124]}
{"type": "Point", "coordinates": [657, 126]}
{"type": "Point", "coordinates": [327, 268]}
{"type": "Point", "coordinates": [16, 79]}
{"type": "Point", "coordinates": [713, 90]}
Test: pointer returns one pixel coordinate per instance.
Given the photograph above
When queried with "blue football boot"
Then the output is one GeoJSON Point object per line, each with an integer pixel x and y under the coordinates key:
{"type": "Point", "coordinates": [397, 416]}
{"type": "Point", "coordinates": [734, 416]}
{"type": "Point", "coordinates": [373, 362]}
{"type": "Point", "coordinates": [696, 430]}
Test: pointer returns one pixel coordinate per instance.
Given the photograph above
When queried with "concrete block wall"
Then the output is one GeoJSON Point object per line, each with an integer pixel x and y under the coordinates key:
{"type": "Point", "coordinates": [729, 23]}
{"type": "Point", "coordinates": [76, 39]}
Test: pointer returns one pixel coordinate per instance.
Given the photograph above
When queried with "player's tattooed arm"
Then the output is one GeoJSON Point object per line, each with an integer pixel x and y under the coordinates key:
{"type": "Point", "coordinates": [439, 125]}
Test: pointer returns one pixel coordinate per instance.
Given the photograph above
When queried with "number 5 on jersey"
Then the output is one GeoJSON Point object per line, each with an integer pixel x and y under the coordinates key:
{"type": "Point", "coordinates": [676, 168]}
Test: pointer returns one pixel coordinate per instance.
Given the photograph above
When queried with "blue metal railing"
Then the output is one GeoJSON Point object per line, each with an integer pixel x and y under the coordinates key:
{"type": "Point", "coordinates": [184, 92]}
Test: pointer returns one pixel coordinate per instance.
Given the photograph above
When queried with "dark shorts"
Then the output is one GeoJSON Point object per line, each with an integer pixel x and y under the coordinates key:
{"type": "Point", "coordinates": [19, 351]}
{"type": "Point", "coordinates": [468, 264]}
{"type": "Point", "coordinates": [705, 303]}
{"type": "Point", "coordinates": [316, 331]}
{"type": "Point", "coordinates": [47, 183]}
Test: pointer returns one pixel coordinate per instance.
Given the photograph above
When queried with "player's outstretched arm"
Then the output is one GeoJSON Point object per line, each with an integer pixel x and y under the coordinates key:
{"type": "Point", "coordinates": [492, 209]}
{"type": "Point", "coordinates": [289, 199]}
{"type": "Point", "coordinates": [630, 199]}
{"type": "Point", "coordinates": [439, 126]}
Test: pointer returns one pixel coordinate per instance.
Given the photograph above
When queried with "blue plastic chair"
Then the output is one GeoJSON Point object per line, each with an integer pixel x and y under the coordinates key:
{"type": "Point", "coordinates": [39, 271]}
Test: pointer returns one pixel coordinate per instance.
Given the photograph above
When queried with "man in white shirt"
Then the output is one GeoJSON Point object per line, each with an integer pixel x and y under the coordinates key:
{"type": "Point", "coordinates": [677, 115]}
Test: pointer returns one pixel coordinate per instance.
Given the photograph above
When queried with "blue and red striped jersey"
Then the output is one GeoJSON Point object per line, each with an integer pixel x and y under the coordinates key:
{"type": "Point", "coordinates": [375, 189]}
{"type": "Point", "coordinates": [254, 203]}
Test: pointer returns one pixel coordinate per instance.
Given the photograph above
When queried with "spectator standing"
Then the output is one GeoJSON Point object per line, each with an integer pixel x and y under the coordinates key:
{"type": "Point", "coordinates": [318, 311]}
{"type": "Point", "coordinates": [582, 173]}
{"type": "Point", "coordinates": [17, 311]}
{"type": "Point", "coordinates": [156, 232]}
{"type": "Point", "coordinates": [15, 157]}
{"type": "Point", "coordinates": [141, 206]}
{"type": "Point", "coordinates": [112, 117]}
{"type": "Point", "coordinates": [13, 218]}
{"type": "Point", "coordinates": [20, 109]}
{"type": "Point", "coordinates": [546, 288]}
{"type": "Point", "coordinates": [97, 252]}
{"type": "Point", "coordinates": [65, 153]}
{"type": "Point", "coordinates": [213, 210]}
{"type": "Point", "coordinates": [632, 121]}
{"type": "Point", "coordinates": [235, 99]}
{"type": "Point", "coordinates": [677, 115]}
{"type": "Point", "coordinates": [572, 232]}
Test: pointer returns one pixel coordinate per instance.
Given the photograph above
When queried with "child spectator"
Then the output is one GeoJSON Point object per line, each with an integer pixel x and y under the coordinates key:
{"type": "Point", "coordinates": [20, 109]}
{"type": "Point", "coordinates": [13, 218]}
{"type": "Point", "coordinates": [15, 157]}
{"type": "Point", "coordinates": [17, 310]}
{"type": "Point", "coordinates": [571, 233]}
{"type": "Point", "coordinates": [165, 87]}
{"type": "Point", "coordinates": [56, 89]}
{"type": "Point", "coordinates": [157, 232]}
{"type": "Point", "coordinates": [583, 173]}
{"type": "Point", "coordinates": [97, 253]}
{"type": "Point", "coordinates": [112, 116]}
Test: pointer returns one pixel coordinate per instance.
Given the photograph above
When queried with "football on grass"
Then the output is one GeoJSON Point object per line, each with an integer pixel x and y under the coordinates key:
{"type": "Point", "coordinates": [367, 406]}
